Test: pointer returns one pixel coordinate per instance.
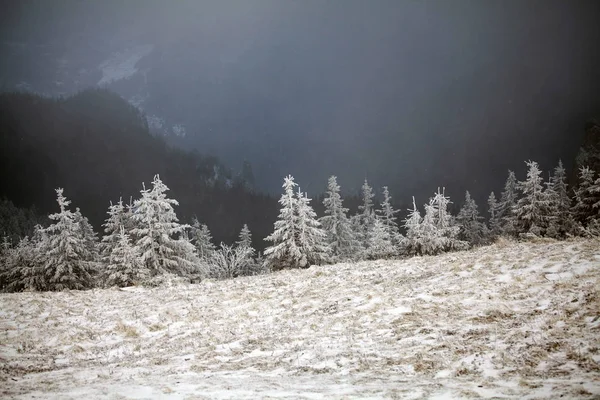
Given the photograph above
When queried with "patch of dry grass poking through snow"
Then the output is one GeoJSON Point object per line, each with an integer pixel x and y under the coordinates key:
{"type": "Point", "coordinates": [127, 330]}
{"type": "Point", "coordinates": [156, 327]}
{"type": "Point", "coordinates": [516, 312]}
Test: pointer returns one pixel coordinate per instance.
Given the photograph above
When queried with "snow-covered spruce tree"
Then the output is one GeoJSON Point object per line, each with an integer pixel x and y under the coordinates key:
{"type": "Point", "coordinates": [443, 221]}
{"type": "Point", "coordinates": [31, 267]}
{"type": "Point", "coordinates": [357, 229]}
{"type": "Point", "coordinates": [298, 240]}
{"type": "Point", "coordinates": [387, 215]}
{"type": "Point", "coordinates": [88, 234]}
{"type": "Point", "coordinates": [5, 255]}
{"type": "Point", "coordinates": [508, 201]}
{"type": "Point", "coordinates": [311, 237]}
{"type": "Point", "coordinates": [531, 210]}
{"type": "Point", "coordinates": [159, 235]}
{"type": "Point", "coordinates": [67, 261]}
{"type": "Point", "coordinates": [591, 200]}
{"type": "Point", "coordinates": [412, 224]}
{"type": "Point", "coordinates": [380, 244]}
{"type": "Point", "coordinates": [261, 265]}
{"type": "Point", "coordinates": [550, 210]}
{"type": "Point", "coordinates": [5, 245]}
{"type": "Point", "coordinates": [340, 238]}
{"type": "Point", "coordinates": [595, 192]}
{"type": "Point", "coordinates": [441, 217]}
{"type": "Point", "coordinates": [128, 222]}
{"type": "Point", "coordinates": [5, 264]}
{"type": "Point", "coordinates": [245, 237]}
{"type": "Point", "coordinates": [124, 265]}
{"type": "Point", "coordinates": [593, 229]}
{"type": "Point", "coordinates": [5, 248]}
{"type": "Point", "coordinates": [112, 227]}
{"type": "Point", "coordinates": [367, 206]}
{"type": "Point", "coordinates": [494, 221]}
{"type": "Point", "coordinates": [561, 222]}
{"type": "Point", "coordinates": [585, 198]}
{"type": "Point", "coordinates": [23, 268]}
{"type": "Point", "coordinates": [249, 266]}
{"type": "Point", "coordinates": [366, 212]}
{"type": "Point", "coordinates": [431, 237]}
{"type": "Point", "coordinates": [284, 252]}
{"type": "Point", "coordinates": [190, 255]}
{"type": "Point", "coordinates": [472, 228]}
{"type": "Point", "coordinates": [202, 239]}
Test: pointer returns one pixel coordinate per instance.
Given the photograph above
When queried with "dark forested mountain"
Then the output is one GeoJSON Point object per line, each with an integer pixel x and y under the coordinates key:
{"type": "Point", "coordinates": [16, 223]}
{"type": "Point", "coordinates": [589, 152]}
{"type": "Point", "coordinates": [98, 148]}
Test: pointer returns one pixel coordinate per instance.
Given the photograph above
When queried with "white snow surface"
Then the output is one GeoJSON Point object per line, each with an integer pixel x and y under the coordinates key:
{"type": "Point", "coordinates": [510, 321]}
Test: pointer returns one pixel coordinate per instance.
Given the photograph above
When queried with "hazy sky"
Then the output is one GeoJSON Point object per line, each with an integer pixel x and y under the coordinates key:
{"type": "Point", "coordinates": [412, 94]}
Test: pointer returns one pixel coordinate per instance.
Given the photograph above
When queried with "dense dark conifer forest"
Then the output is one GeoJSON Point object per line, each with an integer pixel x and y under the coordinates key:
{"type": "Point", "coordinates": [98, 147]}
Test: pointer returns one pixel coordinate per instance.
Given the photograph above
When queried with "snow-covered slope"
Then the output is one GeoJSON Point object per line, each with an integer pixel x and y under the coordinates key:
{"type": "Point", "coordinates": [122, 65]}
{"type": "Point", "coordinates": [506, 321]}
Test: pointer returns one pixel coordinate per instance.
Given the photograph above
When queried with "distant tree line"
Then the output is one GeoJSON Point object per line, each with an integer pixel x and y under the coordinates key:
{"type": "Point", "coordinates": [144, 242]}
{"type": "Point", "coordinates": [16, 222]}
{"type": "Point", "coordinates": [527, 209]}
{"type": "Point", "coordinates": [99, 148]}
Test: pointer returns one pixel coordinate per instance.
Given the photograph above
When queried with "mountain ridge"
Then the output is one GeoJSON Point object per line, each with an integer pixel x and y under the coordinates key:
{"type": "Point", "coordinates": [98, 148]}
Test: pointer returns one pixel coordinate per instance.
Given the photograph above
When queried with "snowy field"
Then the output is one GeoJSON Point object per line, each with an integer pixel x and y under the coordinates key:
{"type": "Point", "coordinates": [508, 321]}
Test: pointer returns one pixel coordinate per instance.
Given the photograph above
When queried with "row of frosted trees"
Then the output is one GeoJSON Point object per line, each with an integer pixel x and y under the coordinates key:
{"type": "Point", "coordinates": [526, 209]}
{"type": "Point", "coordinates": [143, 242]}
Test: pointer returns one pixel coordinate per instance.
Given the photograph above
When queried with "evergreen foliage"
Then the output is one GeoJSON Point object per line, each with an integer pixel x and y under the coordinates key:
{"type": "Point", "coordinates": [435, 232]}
{"type": "Point", "coordinates": [380, 245]}
{"type": "Point", "coordinates": [249, 265]}
{"type": "Point", "coordinates": [245, 238]}
{"type": "Point", "coordinates": [594, 191]}
{"type": "Point", "coordinates": [531, 211]}
{"type": "Point", "coordinates": [124, 265]}
{"type": "Point", "coordinates": [285, 252]}
{"type": "Point", "coordinates": [90, 238]}
{"type": "Point", "coordinates": [159, 235]}
{"type": "Point", "coordinates": [387, 215]}
{"type": "Point", "coordinates": [311, 237]}
{"type": "Point", "coordinates": [367, 213]}
{"type": "Point", "coordinates": [21, 267]}
{"type": "Point", "coordinates": [298, 240]}
{"type": "Point", "coordinates": [506, 207]}
{"type": "Point", "coordinates": [412, 225]}
{"type": "Point", "coordinates": [585, 197]}
{"type": "Point", "coordinates": [67, 261]}
{"type": "Point", "coordinates": [16, 223]}
{"type": "Point", "coordinates": [202, 240]}
{"type": "Point", "coordinates": [562, 223]}
{"type": "Point", "coordinates": [494, 211]}
{"type": "Point", "coordinates": [472, 228]}
{"type": "Point", "coordinates": [340, 236]}
{"type": "Point", "coordinates": [431, 237]}
{"type": "Point", "coordinates": [446, 239]}
{"type": "Point", "coordinates": [117, 219]}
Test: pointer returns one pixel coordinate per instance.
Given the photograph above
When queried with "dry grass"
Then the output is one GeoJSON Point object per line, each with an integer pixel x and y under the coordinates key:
{"type": "Point", "coordinates": [512, 319]}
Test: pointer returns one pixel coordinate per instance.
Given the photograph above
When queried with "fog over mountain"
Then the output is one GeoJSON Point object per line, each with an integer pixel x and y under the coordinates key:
{"type": "Point", "coordinates": [413, 95]}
